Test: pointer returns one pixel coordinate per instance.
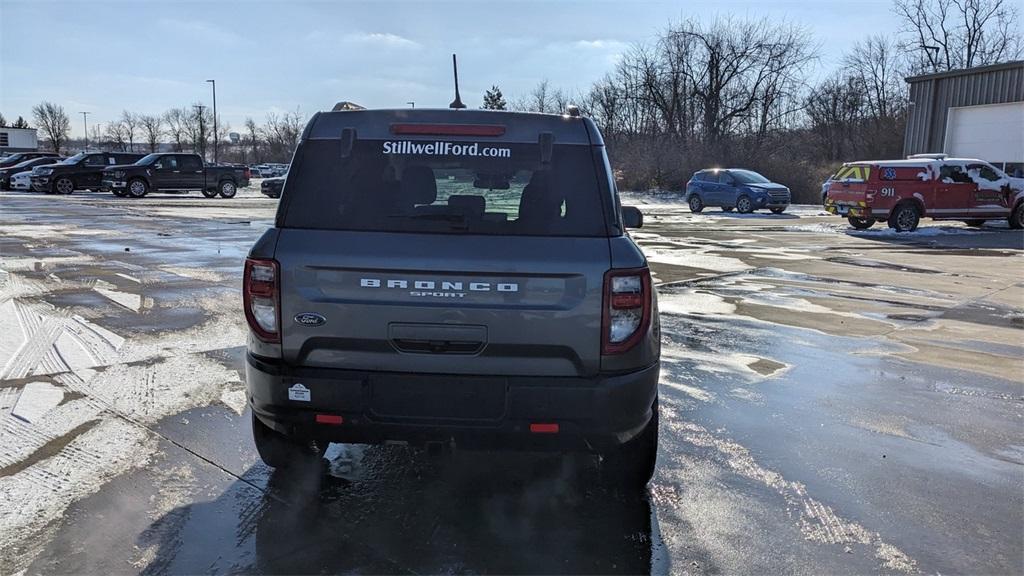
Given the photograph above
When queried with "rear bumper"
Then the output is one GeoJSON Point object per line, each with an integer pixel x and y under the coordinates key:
{"type": "Point", "coordinates": [849, 209]}
{"type": "Point", "coordinates": [487, 412]}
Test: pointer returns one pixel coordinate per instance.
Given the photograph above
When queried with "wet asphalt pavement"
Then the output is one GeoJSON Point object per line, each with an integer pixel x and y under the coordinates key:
{"type": "Point", "coordinates": [832, 403]}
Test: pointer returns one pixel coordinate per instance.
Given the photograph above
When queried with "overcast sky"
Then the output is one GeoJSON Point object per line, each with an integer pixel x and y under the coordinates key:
{"type": "Point", "coordinates": [148, 56]}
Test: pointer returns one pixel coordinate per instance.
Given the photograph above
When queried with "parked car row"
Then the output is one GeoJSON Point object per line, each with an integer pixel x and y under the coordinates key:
{"type": "Point", "coordinates": [8, 172]}
{"type": "Point", "coordinates": [901, 192]}
{"type": "Point", "coordinates": [122, 173]}
{"type": "Point", "coordinates": [268, 170]}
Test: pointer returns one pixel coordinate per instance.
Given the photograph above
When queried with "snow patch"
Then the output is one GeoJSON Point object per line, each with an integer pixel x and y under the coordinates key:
{"type": "Point", "coordinates": [694, 302]}
{"type": "Point", "coordinates": [36, 399]}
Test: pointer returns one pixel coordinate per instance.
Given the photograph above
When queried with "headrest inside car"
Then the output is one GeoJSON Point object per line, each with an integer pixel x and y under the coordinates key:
{"type": "Point", "coordinates": [418, 185]}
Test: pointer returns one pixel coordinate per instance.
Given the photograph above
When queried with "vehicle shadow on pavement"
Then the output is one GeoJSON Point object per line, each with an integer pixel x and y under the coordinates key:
{"type": "Point", "coordinates": [995, 236]}
{"type": "Point", "coordinates": [398, 510]}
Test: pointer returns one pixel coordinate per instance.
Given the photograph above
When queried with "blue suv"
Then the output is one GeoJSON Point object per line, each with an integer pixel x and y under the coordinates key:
{"type": "Point", "coordinates": [729, 188]}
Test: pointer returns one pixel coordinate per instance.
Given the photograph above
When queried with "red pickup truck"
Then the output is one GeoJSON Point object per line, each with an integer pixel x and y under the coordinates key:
{"type": "Point", "coordinates": [901, 192]}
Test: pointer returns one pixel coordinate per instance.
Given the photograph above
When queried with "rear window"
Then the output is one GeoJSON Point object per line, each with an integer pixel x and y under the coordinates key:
{"type": "Point", "coordinates": [445, 187]}
{"type": "Point", "coordinates": [854, 172]}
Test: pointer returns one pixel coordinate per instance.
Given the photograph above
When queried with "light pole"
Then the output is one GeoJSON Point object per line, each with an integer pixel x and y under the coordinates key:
{"type": "Point", "coordinates": [411, 104]}
{"type": "Point", "coordinates": [85, 124]}
{"type": "Point", "coordinates": [214, 83]}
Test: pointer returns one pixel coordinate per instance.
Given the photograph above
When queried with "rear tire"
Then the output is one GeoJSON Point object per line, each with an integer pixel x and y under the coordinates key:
{"type": "Point", "coordinates": [904, 218]}
{"type": "Point", "coordinates": [227, 189]}
{"type": "Point", "coordinates": [860, 223]}
{"type": "Point", "coordinates": [696, 204]}
{"type": "Point", "coordinates": [1016, 219]}
{"type": "Point", "coordinates": [744, 205]}
{"type": "Point", "coordinates": [279, 451]}
{"type": "Point", "coordinates": [631, 465]}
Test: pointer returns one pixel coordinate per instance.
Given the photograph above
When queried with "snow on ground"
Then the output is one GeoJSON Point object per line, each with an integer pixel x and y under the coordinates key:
{"type": "Point", "coordinates": [884, 231]}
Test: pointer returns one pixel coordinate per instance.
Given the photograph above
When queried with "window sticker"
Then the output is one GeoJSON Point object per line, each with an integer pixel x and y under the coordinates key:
{"type": "Point", "coordinates": [408, 147]}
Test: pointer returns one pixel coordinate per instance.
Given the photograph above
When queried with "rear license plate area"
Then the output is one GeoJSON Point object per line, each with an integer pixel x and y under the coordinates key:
{"type": "Point", "coordinates": [437, 398]}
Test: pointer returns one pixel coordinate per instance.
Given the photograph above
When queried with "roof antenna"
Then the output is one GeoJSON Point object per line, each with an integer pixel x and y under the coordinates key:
{"type": "Point", "coordinates": [457, 103]}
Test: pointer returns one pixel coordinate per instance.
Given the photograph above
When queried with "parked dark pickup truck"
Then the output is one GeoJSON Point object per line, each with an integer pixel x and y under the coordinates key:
{"type": "Point", "coordinates": [173, 172]}
{"type": "Point", "coordinates": [82, 170]}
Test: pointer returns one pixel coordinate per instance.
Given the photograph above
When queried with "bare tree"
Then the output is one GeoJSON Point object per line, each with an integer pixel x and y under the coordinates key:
{"type": "Point", "coordinates": [834, 108]}
{"type": "Point", "coordinates": [877, 64]}
{"type": "Point", "coordinates": [282, 134]}
{"type": "Point", "coordinates": [130, 121]}
{"type": "Point", "coordinates": [950, 34]}
{"type": "Point", "coordinates": [54, 123]}
{"type": "Point", "coordinates": [116, 135]}
{"type": "Point", "coordinates": [176, 120]}
{"type": "Point", "coordinates": [196, 123]}
{"type": "Point", "coordinates": [741, 71]}
{"type": "Point", "coordinates": [152, 128]}
{"type": "Point", "coordinates": [539, 98]}
{"type": "Point", "coordinates": [96, 135]}
{"type": "Point", "coordinates": [253, 137]}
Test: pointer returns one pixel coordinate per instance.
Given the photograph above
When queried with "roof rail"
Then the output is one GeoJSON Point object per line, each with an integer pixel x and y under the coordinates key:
{"type": "Point", "coordinates": [930, 156]}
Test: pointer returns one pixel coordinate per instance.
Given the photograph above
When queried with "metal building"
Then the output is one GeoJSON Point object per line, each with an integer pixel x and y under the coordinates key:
{"type": "Point", "coordinates": [18, 140]}
{"type": "Point", "coordinates": [973, 113]}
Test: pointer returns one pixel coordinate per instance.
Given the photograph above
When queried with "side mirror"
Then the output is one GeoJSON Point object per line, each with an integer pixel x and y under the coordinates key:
{"type": "Point", "coordinates": [632, 217]}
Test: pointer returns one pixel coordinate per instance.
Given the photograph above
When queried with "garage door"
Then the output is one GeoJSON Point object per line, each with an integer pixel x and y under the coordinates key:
{"type": "Point", "coordinates": [994, 133]}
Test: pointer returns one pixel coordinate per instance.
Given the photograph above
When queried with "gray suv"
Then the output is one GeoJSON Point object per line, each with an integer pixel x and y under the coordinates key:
{"type": "Point", "coordinates": [453, 277]}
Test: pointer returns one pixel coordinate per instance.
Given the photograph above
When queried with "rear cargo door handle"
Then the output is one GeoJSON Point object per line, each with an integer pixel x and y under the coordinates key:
{"type": "Point", "coordinates": [438, 338]}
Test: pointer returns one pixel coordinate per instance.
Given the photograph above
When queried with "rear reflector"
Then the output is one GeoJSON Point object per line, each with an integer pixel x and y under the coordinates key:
{"type": "Point", "coordinates": [544, 428]}
{"type": "Point", "coordinates": [329, 419]}
{"type": "Point", "coordinates": [448, 129]}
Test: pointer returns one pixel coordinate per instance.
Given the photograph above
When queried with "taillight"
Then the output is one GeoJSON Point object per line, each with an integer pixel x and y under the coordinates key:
{"type": "Point", "coordinates": [261, 297]}
{"type": "Point", "coordinates": [627, 309]}
{"type": "Point", "coordinates": [248, 174]}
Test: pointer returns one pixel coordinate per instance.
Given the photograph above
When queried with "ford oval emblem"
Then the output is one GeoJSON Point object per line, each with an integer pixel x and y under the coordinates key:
{"type": "Point", "coordinates": [310, 319]}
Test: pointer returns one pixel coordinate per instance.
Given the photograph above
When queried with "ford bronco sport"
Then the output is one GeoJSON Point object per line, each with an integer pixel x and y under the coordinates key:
{"type": "Point", "coordinates": [453, 277]}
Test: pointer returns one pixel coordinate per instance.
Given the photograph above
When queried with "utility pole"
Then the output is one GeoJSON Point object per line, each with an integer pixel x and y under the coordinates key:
{"type": "Point", "coordinates": [202, 131]}
{"type": "Point", "coordinates": [85, 124]}
{"type": "Point", "coordinates": [411, 104]}
{"type": "Point", "coordinates": [215, 134]}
